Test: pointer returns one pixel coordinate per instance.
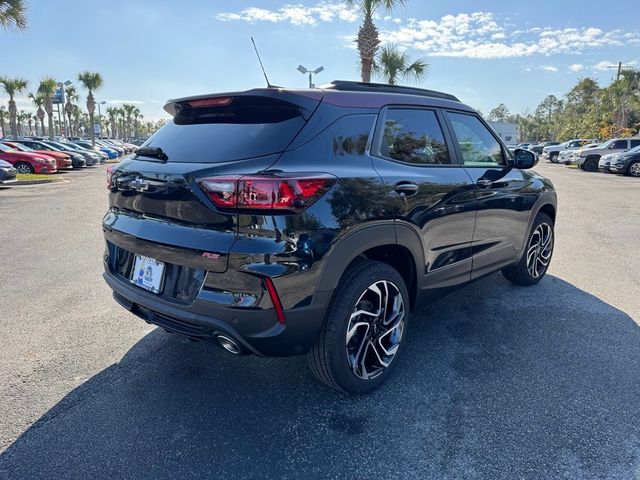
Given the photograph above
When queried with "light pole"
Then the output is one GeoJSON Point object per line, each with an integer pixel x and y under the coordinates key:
{"type": "Point", "coordinates": [305, 70]}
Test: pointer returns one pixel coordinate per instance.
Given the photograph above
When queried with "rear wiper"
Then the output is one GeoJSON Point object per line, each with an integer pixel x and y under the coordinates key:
{"type": "Point", "coordinates": [152, 152]}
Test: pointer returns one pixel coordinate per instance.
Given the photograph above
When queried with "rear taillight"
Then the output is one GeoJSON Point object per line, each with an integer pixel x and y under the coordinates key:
{"type": "Point", "coordinates": [284, 194]}
{"type": "Point", "coordinates": [109, 175]}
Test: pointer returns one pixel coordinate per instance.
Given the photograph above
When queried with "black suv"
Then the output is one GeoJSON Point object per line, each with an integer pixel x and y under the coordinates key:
{"type": "Point", "coordinates": [283, 222]}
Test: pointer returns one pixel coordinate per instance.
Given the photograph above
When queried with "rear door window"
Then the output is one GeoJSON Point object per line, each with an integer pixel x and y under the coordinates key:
{"type": "Point", "coordinates": [414, 136]}
{"type": "Point", "coordinates": [249, 126]}
{"type": "Point", "coordinates": [635, 143]}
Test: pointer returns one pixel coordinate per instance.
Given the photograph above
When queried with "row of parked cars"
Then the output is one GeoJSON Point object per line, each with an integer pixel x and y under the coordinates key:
{"type": "Point", "coordinates": [617, 155]}
{"type": "Point", "coordinates": [44, 156]}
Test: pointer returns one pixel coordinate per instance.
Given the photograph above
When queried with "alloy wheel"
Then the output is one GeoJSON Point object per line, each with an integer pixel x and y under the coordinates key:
{"type": "Point", "coordinates": [375, 329]}
{"type": "Point", "coordinates": [539, 250]}
{"type": "Point", "coordinates": [634, 170]}
{"type": "Point", "coordinates": [23, 168]}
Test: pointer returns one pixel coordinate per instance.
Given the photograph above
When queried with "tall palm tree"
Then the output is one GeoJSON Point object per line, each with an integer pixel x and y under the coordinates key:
{"type": "Point", "coordinates": [13, 14]}
{"type": "Point", "coordinates": [30, 118]}
{"type": "Point", "coordinates": [22, 116]}
{"type": "Point", "coordinates": [72, 96]}
{"type": "Point", "coordinates": [121, 121]}
{"type": "Point", "coordinates": [128, 111]}
{"type": "Point", "coordinates": [77, 116]}
{"type": "Point", "coordinates": [38, 101]}
{"type": "Point", "coordinates": [368, 40]}
{"type": "Point", "coordinates": [47, 90]}
{"type": "Point", "coordinates": [393, 64]}
{"type": "Point", "coordinates": [3, 116]}
{"type": "Point", "coordinates": [13, 86]}
{"type": "Point", "coordinates": [92, 81]}
{"type": "Point", "coordinates": [112, 112]}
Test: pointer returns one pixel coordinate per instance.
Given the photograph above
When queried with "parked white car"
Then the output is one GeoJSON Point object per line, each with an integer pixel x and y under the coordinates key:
{"type": "Point", "coordinates": [552, 152]}
{"type": "Point", "coordinates": [568, 157]}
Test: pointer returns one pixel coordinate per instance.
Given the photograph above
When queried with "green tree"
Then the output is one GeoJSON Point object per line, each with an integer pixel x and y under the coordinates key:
{"type": "Point", "coordinates": [92, 81]}
{"type": "Point", "coordinates": [13, 86]}
{"type": "Point", "coordinates": [393, 64]}
{"type": "Point", "coordinates": [72, 96]}
{"type": "Point", "coordinates": [38, 101]}
{"type": "Point", "coordinates": [13, 14]}
{"type": "Point", "coordinates": [368, 40]}
{"type": "Point", "coordinates": [500, 113]}
{"type": "Point", "coordinates": [3, 117]}
{"type": "Point", "coordinates": [47, 90]}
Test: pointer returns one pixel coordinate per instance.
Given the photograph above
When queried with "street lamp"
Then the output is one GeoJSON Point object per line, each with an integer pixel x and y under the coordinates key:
{"type": "Point", "coordinates": [305, 70]}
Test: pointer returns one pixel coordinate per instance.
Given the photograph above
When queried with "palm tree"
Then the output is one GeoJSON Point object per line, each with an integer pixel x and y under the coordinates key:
{"type": "Point", "coordinates": [71, 96]}
{"type": "Point", "coordinates": [38, 101]}
{"type": "Point", "coordinates": [368, 40]}
{"type": "Point", "coordinates": [92, 81]}
{"type": "Point", "coordinates": [13, 87]}
{"type": "Point", "coordinates": [77, 115]}
{"type": "Point", "coordinates": [22, 116]}
{"type": "Point", "coordinates": [3, 115]}
{"type": "Point", "coordinates": [129, 110]}
{"type": "Point", "coordinates": [47, 90]}
{"type": "Point", "coordinates": [30, 118]}
{"type": "Point", "coordinates": [12, 14]}
{"type": "Point", "coordinates": [392, 64]}
{"type": "Point", "coordinates": [112, 112]}
{"type": "Point", "coordinates": [121, 121]}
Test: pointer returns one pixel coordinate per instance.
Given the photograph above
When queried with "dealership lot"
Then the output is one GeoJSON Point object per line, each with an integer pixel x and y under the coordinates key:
{"type": "Point", "coordinates": [496, 381]}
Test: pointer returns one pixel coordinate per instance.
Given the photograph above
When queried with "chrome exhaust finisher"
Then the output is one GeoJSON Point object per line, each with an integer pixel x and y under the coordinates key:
{"type": "Point", "coordinates": [229, 344]}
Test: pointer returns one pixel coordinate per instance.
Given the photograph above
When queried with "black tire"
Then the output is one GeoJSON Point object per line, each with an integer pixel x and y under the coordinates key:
{"type": "Point", "coordinates": [328, 358]}
{"type": "Point", "coordinates": [590, 164]}
{"type": "Point", "coordinates": [633, 169]}
{"type": "Point", "coordinates": [24, 165]}
{"type": "Point", "coordinates": [520, 273]}
{"type": "Point", "coordinates": [553, 158]}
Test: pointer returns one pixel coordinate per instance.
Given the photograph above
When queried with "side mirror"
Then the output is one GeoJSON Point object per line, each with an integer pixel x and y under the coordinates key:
{"type": "Point", "coordinates": [524, 159]}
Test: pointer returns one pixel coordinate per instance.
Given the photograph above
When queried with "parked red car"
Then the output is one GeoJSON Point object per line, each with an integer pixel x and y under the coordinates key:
{"type": "Point", "coordinates": [27, 162]}
{"type": "Point", "coordinates": [63, 161]}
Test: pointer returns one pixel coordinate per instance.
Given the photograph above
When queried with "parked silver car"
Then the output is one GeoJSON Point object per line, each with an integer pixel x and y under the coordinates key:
{"type": "Point", "coordinates": [588, 160]}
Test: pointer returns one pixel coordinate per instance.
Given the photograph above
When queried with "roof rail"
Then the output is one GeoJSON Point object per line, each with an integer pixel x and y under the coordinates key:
{"type": "Point", "coordinates": [351, 86]}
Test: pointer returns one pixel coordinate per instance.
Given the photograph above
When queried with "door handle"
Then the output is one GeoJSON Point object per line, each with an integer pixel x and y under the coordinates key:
{"type": "Point", "coordinates": [484, 182]}
{"type": "Point", "coordinates": [406, 189]}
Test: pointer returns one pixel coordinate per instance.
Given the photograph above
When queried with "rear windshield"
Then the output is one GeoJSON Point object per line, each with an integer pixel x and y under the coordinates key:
{"type": "Point", "coordinates": [249, 126]}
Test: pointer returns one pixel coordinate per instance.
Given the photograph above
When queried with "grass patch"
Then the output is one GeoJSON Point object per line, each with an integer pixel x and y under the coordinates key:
{"type": "Point", "coordinates": [572, 166]}
{"type": "Point", "coordinates": [34, 176]}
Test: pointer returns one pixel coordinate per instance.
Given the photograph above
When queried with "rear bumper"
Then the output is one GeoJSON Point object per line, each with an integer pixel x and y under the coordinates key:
{"type": "Point", "coordinates": [257, 331]}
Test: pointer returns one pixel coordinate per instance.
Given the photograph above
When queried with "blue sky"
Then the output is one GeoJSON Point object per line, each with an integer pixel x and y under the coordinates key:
{"type": "Point", "coordinates": [484, 52]}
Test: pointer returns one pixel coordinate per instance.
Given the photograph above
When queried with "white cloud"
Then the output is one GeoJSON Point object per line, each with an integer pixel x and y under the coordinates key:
{"type": "Point", "coordinates": [479, 35]}
{"type": "Point", "coordinates": [297, 14]}
{"type": "Point", "coordinates": [605, 66]}
{"type": "Point", "coordinates": [576, 67]}
{"type": "Point", "coordinates": [118, 101]}
{"type": "Point", "coordinates": [548, 68]}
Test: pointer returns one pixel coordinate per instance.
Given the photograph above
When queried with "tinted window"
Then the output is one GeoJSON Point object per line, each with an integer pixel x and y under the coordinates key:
{"type": "Point", "coordinates": [619, 145]}
{"type": "Point", "coordinates": [413, 136]}
{"type": "Point", "coordinates": [247, 127]}
{"type": "Point", "coordinates": [478, 146]}
{"type": "Point", "coordinates": [635, 143]}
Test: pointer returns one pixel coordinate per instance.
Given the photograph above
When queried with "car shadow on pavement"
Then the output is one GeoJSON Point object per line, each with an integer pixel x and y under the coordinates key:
{"type": "Point", "coordinates": [496, 381]}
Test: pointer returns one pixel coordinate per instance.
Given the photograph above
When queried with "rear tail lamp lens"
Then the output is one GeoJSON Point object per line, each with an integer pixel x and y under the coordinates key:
{"type": "Point", "coordinates": [285, 194]}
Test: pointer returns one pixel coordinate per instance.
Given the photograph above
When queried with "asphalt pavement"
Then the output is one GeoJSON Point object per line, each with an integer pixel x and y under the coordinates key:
{"type": "Point", "coordinates": [496, 381]}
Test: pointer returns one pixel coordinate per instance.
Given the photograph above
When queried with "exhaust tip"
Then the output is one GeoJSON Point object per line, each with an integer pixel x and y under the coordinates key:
{"type": "Point", "coordinates": [229, 344]}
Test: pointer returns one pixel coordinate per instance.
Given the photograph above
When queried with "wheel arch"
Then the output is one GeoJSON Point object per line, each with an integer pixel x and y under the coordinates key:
{"type": "Point", "coordinates": [397, 245]}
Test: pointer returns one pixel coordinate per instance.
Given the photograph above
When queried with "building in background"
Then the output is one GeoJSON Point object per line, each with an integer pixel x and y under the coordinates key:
{"type": "Point", "coordinates": [507, 131]}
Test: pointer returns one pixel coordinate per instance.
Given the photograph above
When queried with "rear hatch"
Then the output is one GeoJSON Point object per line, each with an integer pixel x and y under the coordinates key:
{"type": "Point", "coordinates": [157, 207]}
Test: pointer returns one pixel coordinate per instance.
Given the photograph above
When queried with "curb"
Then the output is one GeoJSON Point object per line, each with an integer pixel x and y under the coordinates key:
{"type": "Point", "coordinates": [37, 182]}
